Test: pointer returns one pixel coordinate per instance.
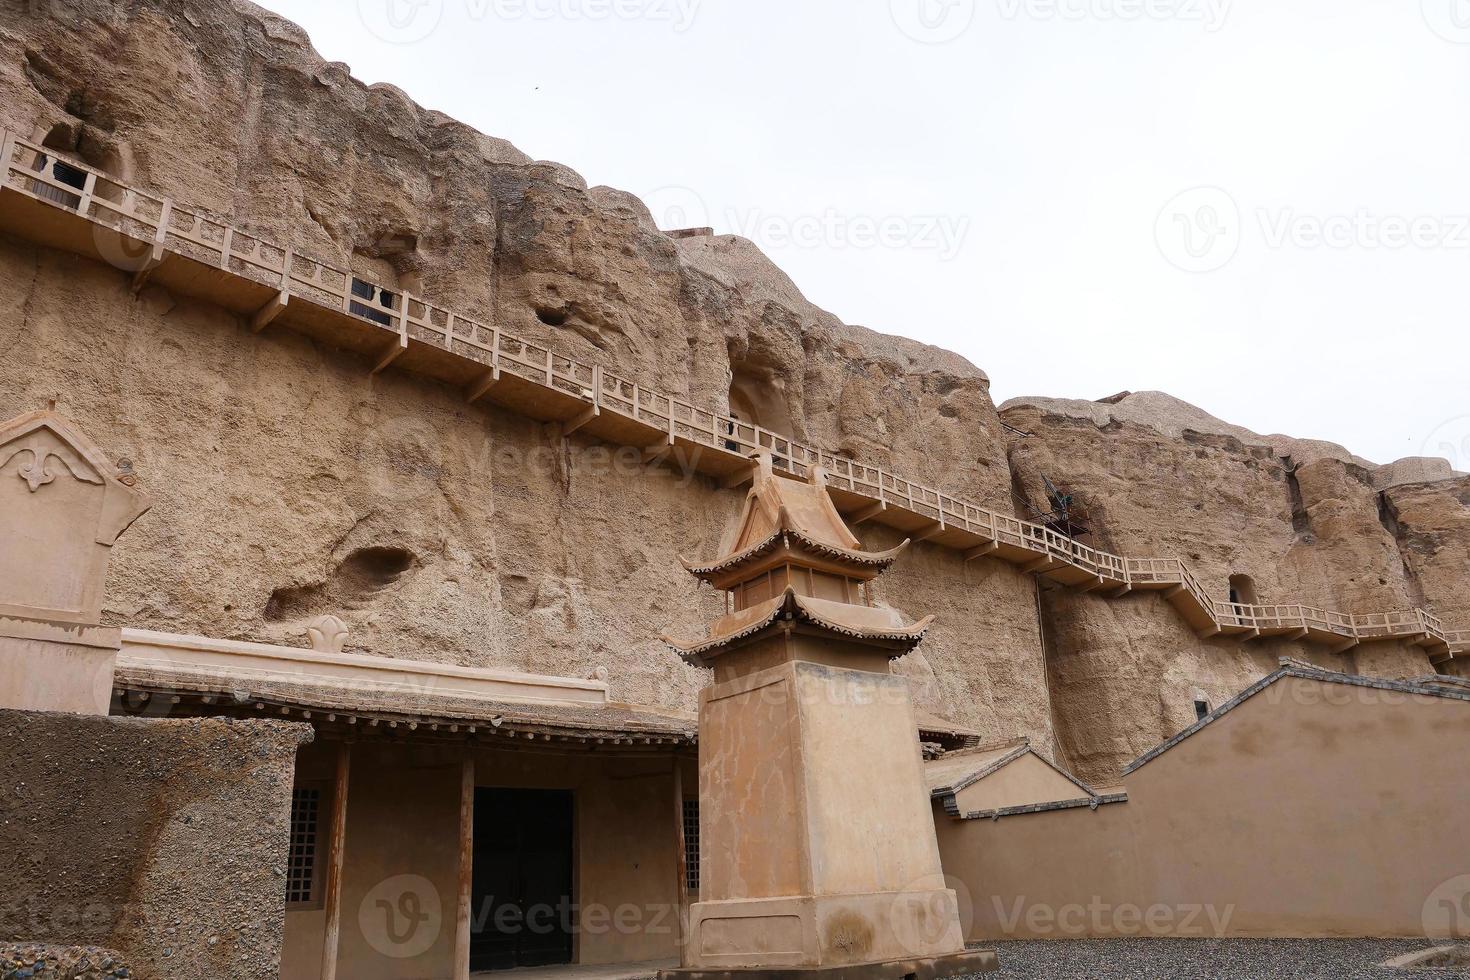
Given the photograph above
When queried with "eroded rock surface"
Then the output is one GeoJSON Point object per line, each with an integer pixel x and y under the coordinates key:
{"type": "Point", "coordinates": [289, 482]}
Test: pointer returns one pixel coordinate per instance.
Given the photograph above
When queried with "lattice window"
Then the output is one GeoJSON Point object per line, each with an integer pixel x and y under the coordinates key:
{"type": "Point", "coordinates": [301, 868]}
{"type": "Point", "coordinates": [64, 173]}
{"type": "Point", "coordinates": [385, 300]}
{"type": "Point", "coordinates": [691, 846]}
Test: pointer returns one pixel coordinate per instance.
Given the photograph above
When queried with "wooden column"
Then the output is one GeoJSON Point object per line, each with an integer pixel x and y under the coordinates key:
{"type": "Point", "coordinates": [333, 903]}
{"type": "Point", "coordinates": [466, 867]}
{"type": "Point", "coordinates": [680, 868]}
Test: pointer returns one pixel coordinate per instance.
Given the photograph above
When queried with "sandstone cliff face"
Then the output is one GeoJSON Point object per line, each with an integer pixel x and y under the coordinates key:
{"type": "Point", "coordinates": [1125, 672]}
{"type": "Point", "coordinates": [1432, 524]}
{"type": "Point", "coordinates": [289, 483]}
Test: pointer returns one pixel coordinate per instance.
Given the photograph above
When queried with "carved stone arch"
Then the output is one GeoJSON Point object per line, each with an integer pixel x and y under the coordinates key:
{"type": "Point", "coordinates": [62, 509]}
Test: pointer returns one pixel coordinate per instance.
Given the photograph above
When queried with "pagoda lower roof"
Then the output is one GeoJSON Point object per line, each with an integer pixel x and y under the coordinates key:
{"type": "Point", "coordinates": [869, 624]}
{"type": "Point", "coordinates": [870, 561]}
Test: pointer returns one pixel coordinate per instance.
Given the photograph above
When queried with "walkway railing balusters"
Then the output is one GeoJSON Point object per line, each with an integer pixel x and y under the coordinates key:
{"type": "Point", "coordinates": [212, 242]}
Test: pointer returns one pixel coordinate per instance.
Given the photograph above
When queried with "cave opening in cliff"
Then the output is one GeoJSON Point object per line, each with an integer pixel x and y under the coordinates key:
{"type": "Point", "coordinates": [757, 399]}
{"type": "Point", "coordinates": [64, 138]}
{"type": "Point", "coordinates": [1242, 591]}
{"type": "Point", "coordinates": [552, 317]}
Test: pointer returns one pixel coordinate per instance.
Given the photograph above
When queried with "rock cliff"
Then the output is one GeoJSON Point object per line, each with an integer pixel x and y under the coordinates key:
{"type": "Point", "coordinates": [288, 481]}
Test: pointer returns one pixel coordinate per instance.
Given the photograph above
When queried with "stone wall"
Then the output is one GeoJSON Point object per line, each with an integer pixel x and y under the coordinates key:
{"type": "Point", "coordinates": [1316, 808]}
{"type": "Point", "coordinates": [163, 840]}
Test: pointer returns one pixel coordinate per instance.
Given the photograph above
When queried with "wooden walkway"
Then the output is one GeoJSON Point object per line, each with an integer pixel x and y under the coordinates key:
{"type": "Point", "coordinates": [62, 203]}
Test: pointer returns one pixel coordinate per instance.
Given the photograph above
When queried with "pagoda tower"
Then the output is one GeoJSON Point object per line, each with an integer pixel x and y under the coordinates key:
{"type": "Point", "coordinates": [817, 846]}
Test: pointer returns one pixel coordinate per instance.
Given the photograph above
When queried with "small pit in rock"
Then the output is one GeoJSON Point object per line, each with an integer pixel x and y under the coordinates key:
{"type": "Point", "coordinates": [370, 570]}
{"type": "Point", "coordinates": [552, 318]}
{"type": "Point", "coordinates": [353, 584]}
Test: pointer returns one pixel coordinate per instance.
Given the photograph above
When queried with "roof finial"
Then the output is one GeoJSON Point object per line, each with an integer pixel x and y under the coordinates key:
{"type": "Point", "coordinates": [328, 634]}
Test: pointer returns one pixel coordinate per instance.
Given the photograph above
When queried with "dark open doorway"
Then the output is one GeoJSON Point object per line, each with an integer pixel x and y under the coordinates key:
{"type": "Point", "coordinates": [522, 887]}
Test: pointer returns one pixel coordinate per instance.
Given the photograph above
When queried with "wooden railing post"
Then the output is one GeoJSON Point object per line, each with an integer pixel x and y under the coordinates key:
{"type": "Point", "coordinates": [89, 190]}
{"type": "Point", "coordinates": [165, 216]}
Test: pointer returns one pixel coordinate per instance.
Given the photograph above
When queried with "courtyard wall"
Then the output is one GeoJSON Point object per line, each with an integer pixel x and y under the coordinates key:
{"type": "Point", "coordinates": [163, 840]}
{"type": "Point", "coordinates": [1312, 809]}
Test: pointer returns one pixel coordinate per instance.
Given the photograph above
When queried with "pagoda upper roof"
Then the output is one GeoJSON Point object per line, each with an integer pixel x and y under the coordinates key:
{"type": "Point", "coordinates": [784, 513]}
{"type": "Point", "coordinates": [787, 536]}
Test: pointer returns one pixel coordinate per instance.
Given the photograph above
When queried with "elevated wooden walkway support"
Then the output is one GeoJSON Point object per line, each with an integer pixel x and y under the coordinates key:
{"type": "Point", "coordinates": [62, 203]}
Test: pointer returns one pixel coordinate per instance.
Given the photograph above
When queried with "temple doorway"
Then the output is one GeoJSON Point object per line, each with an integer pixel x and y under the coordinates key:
{"type": "Point", "coordinates": [522, 879]}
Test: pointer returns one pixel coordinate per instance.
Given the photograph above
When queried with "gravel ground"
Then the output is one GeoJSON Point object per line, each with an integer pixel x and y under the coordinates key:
{"type": "Point", "coordinates": [1211, 959]}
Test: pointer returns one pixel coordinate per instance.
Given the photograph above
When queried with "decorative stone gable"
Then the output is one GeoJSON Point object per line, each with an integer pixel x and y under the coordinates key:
{"type": "Point", "coordinates": [62, 508]}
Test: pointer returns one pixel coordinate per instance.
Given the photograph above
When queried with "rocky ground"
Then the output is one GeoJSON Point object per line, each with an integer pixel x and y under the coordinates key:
{"type": "Point", "coordinates": [1212, 959]}
{"type": "Point", "coordinates": [35, 961]}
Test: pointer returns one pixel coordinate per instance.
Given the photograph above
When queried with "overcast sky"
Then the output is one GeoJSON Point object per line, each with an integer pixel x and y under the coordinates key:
{"type": "Point", "coordinates": [1260, 206]}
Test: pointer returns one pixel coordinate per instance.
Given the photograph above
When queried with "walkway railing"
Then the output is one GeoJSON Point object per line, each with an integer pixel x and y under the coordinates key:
{"type": "Point", "coordinates": [143, 232]}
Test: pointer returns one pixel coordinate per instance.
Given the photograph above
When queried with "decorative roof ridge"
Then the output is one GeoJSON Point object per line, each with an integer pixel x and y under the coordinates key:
{"type": "Point", "coordinates": [872, 559]}
{"type": "Point", "coordinates": [791, 602]}
{"type": "Point", "coordinates": [1291, 667]}
{"type": "Point", "coordinates": [1091, 803]}
{"type": "Point", "coordinates": [1018, 748]}
{"type": "Point", "coordinates": [914, 631]}
{"type": "Point", "coordinates": [692, 651]}
{"type": "Point", "coordinates": [989, 769]}
{"type": "Point", "coordinates": [979, 747]}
